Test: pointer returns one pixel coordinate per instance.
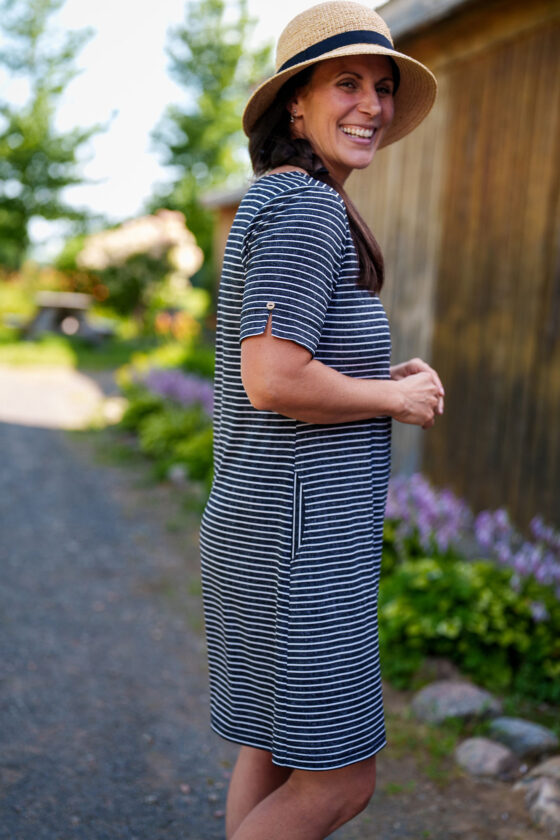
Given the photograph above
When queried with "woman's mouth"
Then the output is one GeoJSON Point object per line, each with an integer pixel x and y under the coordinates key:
{"type": "Point", "coordinates": [358, 131]}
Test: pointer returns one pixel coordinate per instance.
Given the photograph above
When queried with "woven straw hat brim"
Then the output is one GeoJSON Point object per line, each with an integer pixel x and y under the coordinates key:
{"type": "Point", "coordinates": [417, 89]}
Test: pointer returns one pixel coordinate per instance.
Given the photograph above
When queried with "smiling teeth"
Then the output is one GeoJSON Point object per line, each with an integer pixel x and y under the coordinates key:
{"type": "Point", "coordinates": [358, 132]}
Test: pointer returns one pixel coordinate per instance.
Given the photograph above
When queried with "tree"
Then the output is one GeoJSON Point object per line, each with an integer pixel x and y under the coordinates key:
{"type": "Point", "coordinates": [36, 161]}
{"type": "Point", "coordinates": [203, 140]}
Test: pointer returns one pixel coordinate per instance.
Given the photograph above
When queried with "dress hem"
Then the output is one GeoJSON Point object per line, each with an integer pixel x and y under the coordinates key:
{"type": "Point", "coordinates": [336, 765]}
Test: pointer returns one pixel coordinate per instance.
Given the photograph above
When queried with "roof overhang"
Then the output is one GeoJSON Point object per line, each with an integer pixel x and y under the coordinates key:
{"type": "Point", "coordinates": [405, 17]}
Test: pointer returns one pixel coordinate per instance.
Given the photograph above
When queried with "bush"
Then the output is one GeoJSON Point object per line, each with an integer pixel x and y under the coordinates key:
{"type": "Point", "coordinates": [170, 411]}
{"type": "Point", "coordinates": [497, 620]}
{"type": "Point", "coordinates": [469, 613]}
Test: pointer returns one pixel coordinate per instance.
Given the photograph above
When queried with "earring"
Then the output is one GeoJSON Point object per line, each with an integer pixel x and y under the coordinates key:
{"type": "Point", "coordinates": [292, 118]}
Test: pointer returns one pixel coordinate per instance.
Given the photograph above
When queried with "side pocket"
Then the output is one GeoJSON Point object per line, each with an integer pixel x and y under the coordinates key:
{"type": "Point", "coordinates": [298, 514]}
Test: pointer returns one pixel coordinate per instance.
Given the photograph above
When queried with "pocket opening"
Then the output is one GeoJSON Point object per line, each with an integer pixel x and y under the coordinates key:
{"type": "Point", "coordinates": [298, 514]}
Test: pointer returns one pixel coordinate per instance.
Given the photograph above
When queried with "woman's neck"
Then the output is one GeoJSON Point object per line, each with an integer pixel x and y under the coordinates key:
{"type": "Point", "coordinates": [286, 168]}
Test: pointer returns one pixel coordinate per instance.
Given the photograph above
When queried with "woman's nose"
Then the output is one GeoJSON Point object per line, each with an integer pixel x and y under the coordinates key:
{"type": "Point", "coordinates": [370, 103]}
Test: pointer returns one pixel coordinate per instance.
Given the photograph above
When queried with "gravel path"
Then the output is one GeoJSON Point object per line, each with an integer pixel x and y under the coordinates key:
{"type": "Point", "coordinates": [104, 730]}
{"type": "Point", "coordinates": [103, 699]}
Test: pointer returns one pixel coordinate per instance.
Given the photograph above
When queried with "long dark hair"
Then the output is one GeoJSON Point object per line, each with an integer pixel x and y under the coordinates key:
{"type": "Point", "coordinates": [271, 145]}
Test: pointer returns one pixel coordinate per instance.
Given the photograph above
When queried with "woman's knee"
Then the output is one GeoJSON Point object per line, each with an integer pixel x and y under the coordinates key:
{"type": "Point", "coordinates": [359, 785]}
{"type": "Point", "coordinates": [341, 793]}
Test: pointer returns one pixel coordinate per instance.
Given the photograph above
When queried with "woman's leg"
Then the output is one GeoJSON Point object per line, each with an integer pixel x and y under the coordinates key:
{"type": "Point", "coordinates": [253, 779]}
{"type": "Point", "coordinates": [310, 805]}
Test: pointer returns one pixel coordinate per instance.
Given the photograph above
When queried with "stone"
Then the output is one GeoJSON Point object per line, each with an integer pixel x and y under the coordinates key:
{"type": "Point", "coordinates": [177, 474]}
{"type": "Point", "coordinates": [526, 739]}
{"type": "Point", "coordinates": [549, 768]}
{"type": "Point", "coordinates": [453, 699]}
{"type": "Point", "coordinates": [483, 757]}
{"type": "Point", "coordinates": [542, 797]}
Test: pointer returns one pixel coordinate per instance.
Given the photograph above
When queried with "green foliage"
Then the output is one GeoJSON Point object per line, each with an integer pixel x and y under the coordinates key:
{"type": "Point", "coordinates": [212, 60]}
{"type": "Point", "coordinates": [200, 360]}
{"type": "Point", "coordinates": [192, 356]}
{"type": "Point", "coordinates": [469, 613]}
{"type": "Point", "coordinates": [131, 285]}
{"type": "Point", "coordinates": [161, 431]}
{"type": "Point", "coordinates": [171, 435]}
{"type": "Point", "coordinates": [141, 404]}
{"type": "Point", "coordinates": [36, 160]}
{"type": "Point", "coordinates": [196, 454]}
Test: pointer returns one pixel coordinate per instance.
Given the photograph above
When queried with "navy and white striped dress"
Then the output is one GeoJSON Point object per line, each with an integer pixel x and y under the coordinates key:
{"type": "Point", "coordinates": [291, 535]}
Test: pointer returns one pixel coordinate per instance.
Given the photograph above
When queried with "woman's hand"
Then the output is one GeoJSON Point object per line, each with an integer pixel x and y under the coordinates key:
{"type": "Point", "coordinates": [422, 390]}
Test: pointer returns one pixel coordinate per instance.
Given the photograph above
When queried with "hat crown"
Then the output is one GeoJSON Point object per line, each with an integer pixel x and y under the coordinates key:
{"type": "Point", "coordinates": [324, 21]}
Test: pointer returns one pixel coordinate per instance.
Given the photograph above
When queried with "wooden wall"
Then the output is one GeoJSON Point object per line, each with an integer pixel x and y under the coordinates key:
{"type": "Point", "coordinates": [467, 210]}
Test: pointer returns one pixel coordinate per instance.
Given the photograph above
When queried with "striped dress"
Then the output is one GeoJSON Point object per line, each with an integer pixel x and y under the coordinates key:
{"type": "Point", "coordinates": [291, 535]}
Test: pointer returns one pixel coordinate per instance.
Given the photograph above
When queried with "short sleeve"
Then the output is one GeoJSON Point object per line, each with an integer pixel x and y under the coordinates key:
{"type": "Point", "coordinates": [292, 256]}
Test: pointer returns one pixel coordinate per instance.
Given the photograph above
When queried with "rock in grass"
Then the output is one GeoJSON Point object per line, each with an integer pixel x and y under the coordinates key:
{"type": "Point", "coordinates": [446, 699]}
{"type": "Point", "coordinates": [483, 757]}
{"type": "Point", "coordinates": [526, 739]}
{"type": "Point", "coordinates": [547, 768]}
{"type": "Point", "coordinates": [542, 796]}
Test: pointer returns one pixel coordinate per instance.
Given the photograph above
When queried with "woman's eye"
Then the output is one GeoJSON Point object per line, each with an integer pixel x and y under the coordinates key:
{"type": "Point", "coordinates": [348, 84]}
{"type": "Point", "coordinates": [384, 91]}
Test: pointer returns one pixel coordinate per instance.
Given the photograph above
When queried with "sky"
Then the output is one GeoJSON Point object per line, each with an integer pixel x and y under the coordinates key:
{"type": "Point", "coordinates": [124, 81]}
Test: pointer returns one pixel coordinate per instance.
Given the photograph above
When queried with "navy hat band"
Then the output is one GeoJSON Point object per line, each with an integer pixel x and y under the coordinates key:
{"type": "Point", "coordinates": [345, 39]}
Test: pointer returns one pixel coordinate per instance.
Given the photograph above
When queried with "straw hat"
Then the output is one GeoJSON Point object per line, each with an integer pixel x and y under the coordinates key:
{"type": "Point", "coordinates": [338, 28]}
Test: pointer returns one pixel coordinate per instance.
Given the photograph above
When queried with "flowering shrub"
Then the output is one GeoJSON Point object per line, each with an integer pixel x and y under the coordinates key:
{"type": "Point", "coordinates": [423, 520]}
{"type": "Point", "coordinates": [133, 259]}
{"type": "Point", "coordinates": [469, 613]}
{"type": "Point", "coordinates": [183, 388]}
{"type": "Point", "coordinates": [156, 236]}
{"type": "Point", "coordinates": [498, 618]}
{"type": "Point", "coordinates": [539, 559]}
{"type": "Point", "coordinates": [170, 411]}
{"type": "Point", "coordinates": [426, 519]}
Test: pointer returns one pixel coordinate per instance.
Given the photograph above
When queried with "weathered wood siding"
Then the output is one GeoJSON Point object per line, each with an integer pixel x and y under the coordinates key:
{"type": "Point", "coordinates": [467, 210]}
{"type": "Point", "coordinates": [400, 197]}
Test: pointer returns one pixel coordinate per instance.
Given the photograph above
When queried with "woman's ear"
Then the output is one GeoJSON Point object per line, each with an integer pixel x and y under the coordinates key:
{"type": "Point", "coordinates": [292, 109]}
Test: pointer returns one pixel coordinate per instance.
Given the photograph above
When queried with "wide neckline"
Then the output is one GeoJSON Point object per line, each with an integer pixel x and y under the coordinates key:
{"type": "Point", "coordinates": [299, 172]}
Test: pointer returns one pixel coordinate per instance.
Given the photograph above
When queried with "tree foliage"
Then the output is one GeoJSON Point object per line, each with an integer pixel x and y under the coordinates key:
{"type": "Point", "coordinates": [36, 160]}
{"type": "Point", "coordinates": [202, 139]}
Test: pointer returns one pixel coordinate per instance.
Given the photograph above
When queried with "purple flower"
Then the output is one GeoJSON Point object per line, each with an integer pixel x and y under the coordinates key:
{"type": "Point", "coordinates": [185, 389]}
{"type": "Point", "coordinates": [435, 518]}
{"type": "Point", "coordinates": [539, 559]}
{"type": "Point", "coordinates": [538, 611]}
{"type": "Point", "coordinates": [438, 520]}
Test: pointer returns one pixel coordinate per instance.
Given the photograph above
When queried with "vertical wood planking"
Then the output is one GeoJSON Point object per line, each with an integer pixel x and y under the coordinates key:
{"type": "Point", "coordinates": [400, 198]}
{"type": "Point", "coordinates": [467, 211]}
{"type": "Point", "coordinates": [493, 445]}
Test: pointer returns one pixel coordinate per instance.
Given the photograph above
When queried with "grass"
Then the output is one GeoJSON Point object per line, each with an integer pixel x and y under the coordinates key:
{"type": "Point", "coordinates": [432, 746]}
{"type": "Point", "coordinates": [394, 788]}
{"type": "Point", "coordinates": [71, 352]}
{"type": "Point", "coordinates": [542, 713]}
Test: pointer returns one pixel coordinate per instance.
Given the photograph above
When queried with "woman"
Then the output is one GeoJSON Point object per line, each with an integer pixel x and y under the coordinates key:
{"type": "Point", "coordinates": [291, 536]}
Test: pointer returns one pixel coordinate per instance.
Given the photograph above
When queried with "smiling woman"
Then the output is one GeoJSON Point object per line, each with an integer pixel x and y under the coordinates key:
{"type": "Point", "coordinates": [291, 536]}
{"type": "Point", "coordinates": [344, 111]}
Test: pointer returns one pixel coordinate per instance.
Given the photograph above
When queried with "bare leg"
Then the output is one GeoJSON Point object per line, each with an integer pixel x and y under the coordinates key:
{"type": "Point", "coordinates": [254, 778]}
{"type": "Point", "coordinates": [310, 805]}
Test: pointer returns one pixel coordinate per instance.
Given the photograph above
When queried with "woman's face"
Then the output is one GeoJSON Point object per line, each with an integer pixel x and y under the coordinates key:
{"type": "Point", "coordinates": [344, 111]}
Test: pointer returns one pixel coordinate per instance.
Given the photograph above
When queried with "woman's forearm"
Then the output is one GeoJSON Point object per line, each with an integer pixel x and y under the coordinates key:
{"type": "Point", "coordinates": [281, 376]}
{"type": "Point", "coordinates": [316, 393]}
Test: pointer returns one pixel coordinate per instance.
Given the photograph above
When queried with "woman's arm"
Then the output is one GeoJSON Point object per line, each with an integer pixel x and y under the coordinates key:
{"type": "Point", "coordinates": [281, 376]}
